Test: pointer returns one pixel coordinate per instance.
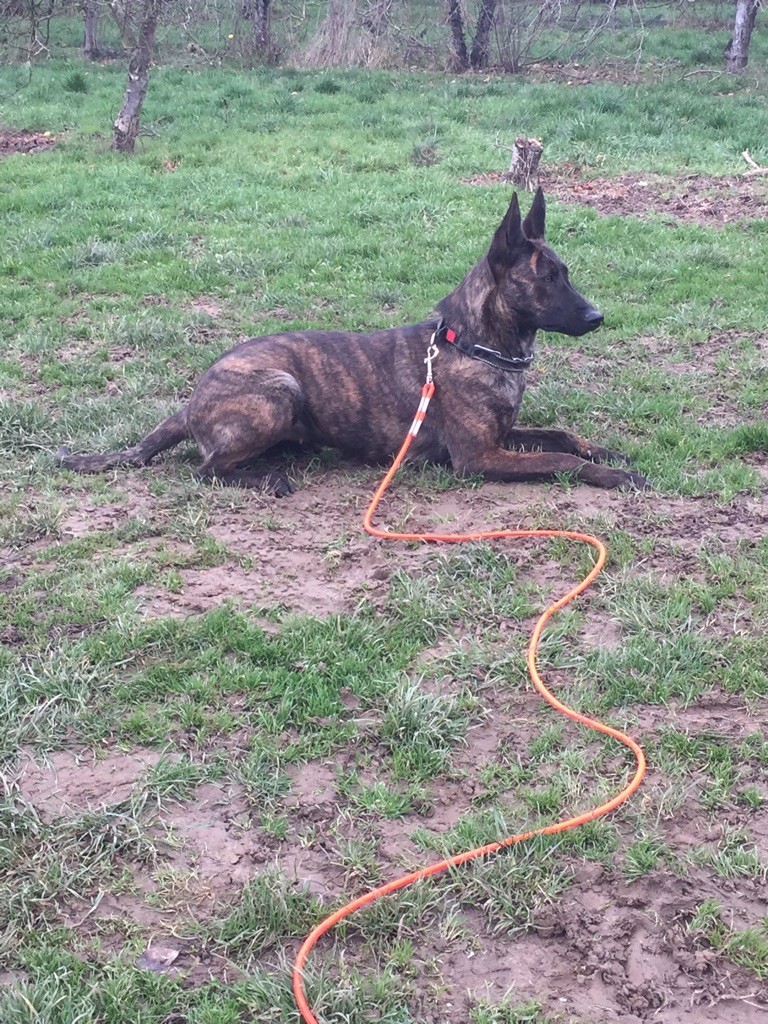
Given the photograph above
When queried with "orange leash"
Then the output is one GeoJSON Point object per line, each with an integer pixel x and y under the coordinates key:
{"type": "Point", "coordinates": [561, 826]}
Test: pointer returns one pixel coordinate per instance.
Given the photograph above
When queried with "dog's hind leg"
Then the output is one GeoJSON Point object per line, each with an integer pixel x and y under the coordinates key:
{"type": "Point", "coordinates": [233, 428]}
{"type": "Point", "coordinates": [170, 432]}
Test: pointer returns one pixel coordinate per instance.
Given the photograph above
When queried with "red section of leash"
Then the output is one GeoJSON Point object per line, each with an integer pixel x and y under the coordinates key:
{"type": "Point", "coordinates": [561, 826]}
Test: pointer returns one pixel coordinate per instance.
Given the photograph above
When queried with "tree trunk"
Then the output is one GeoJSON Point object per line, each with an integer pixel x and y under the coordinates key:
{"type": "Point", "coordinates": [478, 57]}
{"type": "Point", "coordinates": [744, 22]}
{"type": "Point", "coordinates": [91, 43]}
{"type": "Point", "coordinates": [262, 36]}
{"type": "Point", "coordinates": [128, 123]}
{"type": "Point", "coordinates": [459, 47]}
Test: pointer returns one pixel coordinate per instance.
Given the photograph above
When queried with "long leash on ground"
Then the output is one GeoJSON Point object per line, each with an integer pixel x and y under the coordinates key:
{"type": "Point", "coordinates": [561, 826]}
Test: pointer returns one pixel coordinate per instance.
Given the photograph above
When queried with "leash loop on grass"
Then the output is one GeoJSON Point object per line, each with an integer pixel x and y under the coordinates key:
{"type": "Point", "coordinates": [560, 826]}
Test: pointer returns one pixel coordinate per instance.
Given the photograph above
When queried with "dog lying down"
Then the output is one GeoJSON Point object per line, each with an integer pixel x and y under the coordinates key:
{"type": "Point", "coordinates": [357, 392]}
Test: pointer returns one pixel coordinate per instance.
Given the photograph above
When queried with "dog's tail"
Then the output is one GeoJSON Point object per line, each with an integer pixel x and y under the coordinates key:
{"type": "Point", "coordinates": [169, 433]}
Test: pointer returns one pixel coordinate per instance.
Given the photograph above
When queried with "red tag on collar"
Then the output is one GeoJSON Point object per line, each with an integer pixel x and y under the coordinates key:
{"type": "Point", "coordinates": [450, 335]}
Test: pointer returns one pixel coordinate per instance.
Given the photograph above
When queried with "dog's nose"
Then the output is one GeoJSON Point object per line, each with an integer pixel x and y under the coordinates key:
{"type": "Point", "coordinates": [593, 318]}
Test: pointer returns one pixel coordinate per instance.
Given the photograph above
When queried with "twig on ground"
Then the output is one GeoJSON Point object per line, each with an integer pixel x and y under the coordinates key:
{"type": "Point", "coordinates": [703, 71]}
{"type": "Point", "coordinates": [85, 917]}
{"type": "Point", "coordinates": [756, 168]}
{"type": "Point", "coordinates": [727, 996]}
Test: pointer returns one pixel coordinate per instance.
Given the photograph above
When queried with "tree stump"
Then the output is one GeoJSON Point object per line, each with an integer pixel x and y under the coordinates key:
{"type": "Point", "coordinates": [524, 165]}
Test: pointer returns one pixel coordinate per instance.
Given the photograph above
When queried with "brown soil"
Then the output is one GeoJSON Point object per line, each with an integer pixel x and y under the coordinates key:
{"type": "Point", "coordinates": [694, 198]}
{"type": "Point", "coordinates": [19, 141]}
{"type": "Point", "coordinates": [618, 72]}
{"type": "Point", "coordinates": [69, 783]}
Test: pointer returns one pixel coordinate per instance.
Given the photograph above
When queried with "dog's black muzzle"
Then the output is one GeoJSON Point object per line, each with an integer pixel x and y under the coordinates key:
{"type": "Point", "coordinates": [576, 324]}
{"type": "Point", "coordinates": [593, 318]}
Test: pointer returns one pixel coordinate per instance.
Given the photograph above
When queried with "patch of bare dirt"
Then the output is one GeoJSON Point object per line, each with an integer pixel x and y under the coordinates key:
{"type": "Point", "coordinates": [694, 524]}
{"type": "Point", "coordinates": [213, 840]}
{"type": "Point", "coordinates": [68, 783]}
{"type": "Point", "coordinates": [692, 198]}
{"type": "Point", "coordinates": [90, 517]}
{"type": "Point", "coordinates": [204, 304]}
{"type": "Point", "coordinates": [625, 951]}
{"type": "Point", "coordinates": [724, 715]}
{"type": "Point", "coordinates": [718, 356]}
{"type": "Point", "coordinates": [18, 140]}
{"type": "Point", "coordinates": [307, 554]}
{"type": "Point", "coordinates": [619, 72]}
{"type": "Point", "coordinates": [710, 356]}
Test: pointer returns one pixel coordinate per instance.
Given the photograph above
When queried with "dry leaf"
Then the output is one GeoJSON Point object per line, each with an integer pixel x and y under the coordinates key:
{"type": "Point", "coordinates": [157, 958]}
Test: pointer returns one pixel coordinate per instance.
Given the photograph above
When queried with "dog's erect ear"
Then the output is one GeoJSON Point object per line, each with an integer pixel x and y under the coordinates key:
{"type": "Point", "coordinates": [533, 225]}
{"type": "Point", "coordinates": [508, 239]}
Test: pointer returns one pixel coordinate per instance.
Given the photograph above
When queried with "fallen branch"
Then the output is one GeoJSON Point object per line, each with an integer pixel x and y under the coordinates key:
{"type": "Point", "coordinates": [703, 71]}
{"type": "Point", "coordinates": [756, 168]}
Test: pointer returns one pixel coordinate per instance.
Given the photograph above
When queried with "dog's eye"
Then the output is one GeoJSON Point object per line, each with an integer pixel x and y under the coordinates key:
{"type": "Point", "coordinates": [553, 275]}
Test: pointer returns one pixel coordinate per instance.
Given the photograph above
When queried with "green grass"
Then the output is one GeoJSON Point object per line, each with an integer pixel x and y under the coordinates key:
{"type": "Point", "coordinates": [295, 203]}
{"type": "Point", "coordinates": [507, 1013]}
{"type": "Point", "coordinates": [747, 947]}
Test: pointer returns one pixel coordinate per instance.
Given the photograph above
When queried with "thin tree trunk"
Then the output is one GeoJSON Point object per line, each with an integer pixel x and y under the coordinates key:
{"type": "Point", "coordinates": [744, 23]}
{"type": "Point", "coordinates": [91, 43]}
{"type": "Point", "coordinates": [262, 37]}
{"type": "Point", "coordinates": [119, 13]}
{"type": "Point", "coordinates": [480, 52]}
{"type": "Point", "coordinates": [128, 120]}
{"type": "Point", "coordinates": [456, 22]}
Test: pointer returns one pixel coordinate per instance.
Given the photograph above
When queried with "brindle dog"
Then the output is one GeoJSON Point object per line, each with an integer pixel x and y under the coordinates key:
{"type": "Point", "coordinates": [357, 392]}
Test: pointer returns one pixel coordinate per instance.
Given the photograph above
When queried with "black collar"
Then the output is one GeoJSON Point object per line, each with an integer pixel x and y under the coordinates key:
{"type": "Point", "coordinates": [511, 364]}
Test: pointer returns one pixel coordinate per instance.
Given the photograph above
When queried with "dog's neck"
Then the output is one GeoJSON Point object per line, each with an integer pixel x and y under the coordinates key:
{"type": "Point", "coordinates": [466, 311]}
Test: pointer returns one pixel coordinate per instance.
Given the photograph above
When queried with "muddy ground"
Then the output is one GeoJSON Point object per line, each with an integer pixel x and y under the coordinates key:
{"type": "Point", "coordinates": [19, 140]}
{"type": "Point", "coordinates": [607, 951]}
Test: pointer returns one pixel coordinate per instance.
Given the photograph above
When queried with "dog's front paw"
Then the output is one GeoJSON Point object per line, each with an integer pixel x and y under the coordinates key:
{"type": "Point", "coordinates": [606, 476]}
{"type": "Point", "coordinates": [278, 485]}
{"type": "Point", "coordinates": [607, 456]}
{"type": "Point", "coordinates": [634, 481]}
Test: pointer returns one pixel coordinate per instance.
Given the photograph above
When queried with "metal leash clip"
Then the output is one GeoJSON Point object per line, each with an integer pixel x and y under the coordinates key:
{"type": "Point", "coordinates": [432, 353]}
